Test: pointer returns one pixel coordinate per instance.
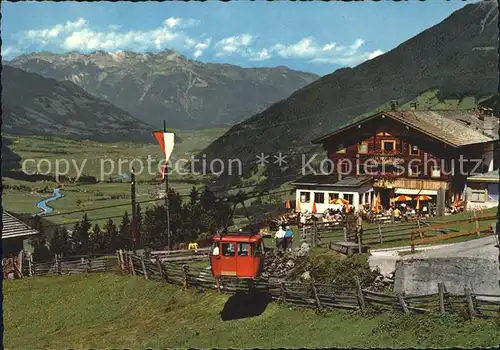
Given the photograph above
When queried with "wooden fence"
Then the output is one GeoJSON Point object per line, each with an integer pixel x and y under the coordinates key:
{"type": "Point", "coordinates": [414, 232]}
{"type": "Point", "coordinates": [70, 265]}
{"type": "Point", "coordinates": [320, 296]}
{"type": "Point", "coordinates": [181, 255]}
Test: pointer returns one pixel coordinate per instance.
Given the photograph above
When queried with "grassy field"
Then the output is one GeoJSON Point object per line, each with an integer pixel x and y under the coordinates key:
{"type": "Point", "coordinates": [89, 156]}
{"type": "Point", "coordinates": [95, 153]}
{"type": "Point", "coordinates": [112, 311]}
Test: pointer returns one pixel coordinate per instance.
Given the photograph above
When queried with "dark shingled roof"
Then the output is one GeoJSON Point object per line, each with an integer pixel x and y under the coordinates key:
{"type": "Point", "coordinates": [441, 125]}
{"type": "Point", "coordinates": [333, 181]}
{"type": "Point", "coordinates": [13, 227]}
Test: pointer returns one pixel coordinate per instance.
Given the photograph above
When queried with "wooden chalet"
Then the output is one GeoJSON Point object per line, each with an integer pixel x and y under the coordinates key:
{"type": "Point", "coordinates": [410, 152]}
{"type": "Point", "coordinates": [14, 232]}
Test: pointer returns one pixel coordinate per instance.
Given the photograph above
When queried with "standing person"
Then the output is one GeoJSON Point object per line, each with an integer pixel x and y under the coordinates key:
{"type": "Point", "coordinates": [359, 225]}
{"type": "Point", "coordinates": [279, 236]}
{"type": "Point", "coordinates": [288, 238]}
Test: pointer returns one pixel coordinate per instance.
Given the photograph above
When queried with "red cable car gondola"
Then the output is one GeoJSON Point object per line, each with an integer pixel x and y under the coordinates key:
{"type": "Point", "coordinates": [238, 255]}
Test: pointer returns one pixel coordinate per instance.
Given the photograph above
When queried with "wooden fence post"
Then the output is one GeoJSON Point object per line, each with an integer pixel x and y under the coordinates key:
{"type": "Point", "coordinates": [402, 303]}
{"type": "Point", "coordinates": [282, 291]}
{"type": "Point", "coordinates": [118, 260]}
{"type": "Point", "coordinates": [30, 265]}
{"type": "Point", "coordinates": [185, 284]}
{"type": "Point", "coordinates": [144, 268]}
{"type": "Point", "coordinates": [160, 267]}
{"type": "Point", "coordinates": [217, 284]}
{"type": "Point", "coordinates": [122, 260]}
{"type": "Point", "coordinates": [131, 262]}
{"type": "Point", "coordinates": [441, 297]}
{"type": "Point", "coordinates": [412, 241]}
{"type": "Point", "coordinates": [470, 304]}
{"type": "Point", "coordinates": [89, 265]}
{"type": "Point", "coordinates": [315, 293]}
{"type": "Point", "coordinates": [314, 235]}
{"type": "Point", "coordinates": [358, 233]}
{"type": "Point", "coordinates": [478, 231]}
{"type": "Point", "coordinates": [381, 239]}
{"type": "Point", "coordinates": [361, 299]}
{"type": "Point", "coordinates": [59, 265]}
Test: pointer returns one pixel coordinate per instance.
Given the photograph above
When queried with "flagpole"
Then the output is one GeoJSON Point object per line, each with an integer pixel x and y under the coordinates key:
{"type": "Point", "coordinates": [166, 195]}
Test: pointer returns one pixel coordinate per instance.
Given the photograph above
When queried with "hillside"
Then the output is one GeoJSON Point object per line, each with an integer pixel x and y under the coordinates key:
{"type": "Point", "coordinates": [10, 159]}
{"type": "Point", "coordinates": [152, 87]}
{"type": "Point", "coordinates": [112, 311]}
{"type": "Point", "coordinates": [34, 105]}
{"type": "Point", "coordinates": [458, 58]}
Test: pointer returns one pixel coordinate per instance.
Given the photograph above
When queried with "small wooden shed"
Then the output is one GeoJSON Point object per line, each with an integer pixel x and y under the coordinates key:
{"type": "Point", "coordinates": [14, 232]}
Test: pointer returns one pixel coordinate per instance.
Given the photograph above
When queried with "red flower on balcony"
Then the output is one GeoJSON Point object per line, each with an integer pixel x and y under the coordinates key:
{"type": "Point", "coordinates": [384, 153]}
{"type": "Point", "coordinates": [388, 176]}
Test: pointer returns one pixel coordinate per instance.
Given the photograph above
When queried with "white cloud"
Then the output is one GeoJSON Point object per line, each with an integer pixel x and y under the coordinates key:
{"type": "Point", "coordinates": [375, 54]}
{"type": "Point", "coordinates": [357, 44]}
{"type": "Point", "coordinates": [80, 37]}
{"type": "Point", "coordinates": [234, 45]}
{"type": "Point", "coordinates": [56, 30]}
{"type": "Point", "coordinates": [200, 47]}
{"type": "Point", "coordinates": [302, 49]}
{"type": "Point", "coordinates": [9, 51]}
{"type": "Point", "coordinates": [332, 53]}
{"type": "Point", "coordinates": [177, 22]}
{"type": "Point", "coordinates": [260, 55]}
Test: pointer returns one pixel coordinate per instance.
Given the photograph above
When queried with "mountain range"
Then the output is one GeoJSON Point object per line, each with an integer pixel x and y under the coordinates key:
{"type": "Point", "coordinates": [165, 85]}
{"type": "Point", "coordinates": [34, 105]}
{"type": "Point", "coordinates": [457, 58]}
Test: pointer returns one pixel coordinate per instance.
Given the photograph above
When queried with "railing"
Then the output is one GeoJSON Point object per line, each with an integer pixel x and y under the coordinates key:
{"type": "Point", "coordinates": [414, 232]}
{"type": "Point", "coordinates": [320, 296]}
{"type": "Point", "coordinates": [69, 265]}
{"type": "Point", "coordinates": [180, 255]}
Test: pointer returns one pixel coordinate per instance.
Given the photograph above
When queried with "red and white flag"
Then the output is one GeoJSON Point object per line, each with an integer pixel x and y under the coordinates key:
{"type": "Point", "coordinates": [166, 140]}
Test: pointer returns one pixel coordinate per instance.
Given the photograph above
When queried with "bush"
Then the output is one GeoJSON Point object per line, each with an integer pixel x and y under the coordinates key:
{"type": "Point", "coordinates": [327, 270]}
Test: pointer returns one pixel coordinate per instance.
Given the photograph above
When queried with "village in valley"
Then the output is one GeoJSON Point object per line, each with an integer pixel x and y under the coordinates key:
{"type": "Point", "coordinates": [310, 209]}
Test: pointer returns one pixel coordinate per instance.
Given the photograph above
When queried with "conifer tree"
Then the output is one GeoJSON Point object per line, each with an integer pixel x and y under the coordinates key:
{"type": "Point", "coordinates": [111, 234]}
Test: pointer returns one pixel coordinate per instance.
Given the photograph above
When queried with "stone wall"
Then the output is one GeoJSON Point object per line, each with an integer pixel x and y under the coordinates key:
{"type": "Point", "coordinates": [421, 276]}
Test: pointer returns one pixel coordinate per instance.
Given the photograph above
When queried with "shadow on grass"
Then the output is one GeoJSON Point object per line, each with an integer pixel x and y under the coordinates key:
{"type": "Point", "coordinates": [244, 304]}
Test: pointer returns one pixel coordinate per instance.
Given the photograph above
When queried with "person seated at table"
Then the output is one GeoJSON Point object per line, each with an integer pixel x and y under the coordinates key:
{"type": "Point", "coordinates": [397, 214]}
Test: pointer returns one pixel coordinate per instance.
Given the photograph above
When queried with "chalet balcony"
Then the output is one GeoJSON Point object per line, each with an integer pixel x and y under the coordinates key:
{"type": "Point", "coordinates": [386, 157]}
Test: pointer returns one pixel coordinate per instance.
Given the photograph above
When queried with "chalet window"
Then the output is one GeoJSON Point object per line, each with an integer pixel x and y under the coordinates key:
{"type": "Point", "coordinates": [340, 148]}
{"type": "Point", "coordinates": [319, 197]}
{"type": "Point", "coordinates": [349, 197]}
{"type": "Point", "coordinates": [414, 170]}
{"type": "Point", "coordinates": [388, 145]}
{"type": "Point", "coordinates": [332, 196]}
{"type": "Point", "coordinates": [414, 151]}
{"type": "Point", "coordinates": [363, 148]}
{"type": "Point", "coordinates": [435, 171]}
{"type": "Point", "coordinates": [477, 196]}
{"type": "Point", "coordinates": [367, 197]}
{"type": "Point", "coordinates": [305, 197]}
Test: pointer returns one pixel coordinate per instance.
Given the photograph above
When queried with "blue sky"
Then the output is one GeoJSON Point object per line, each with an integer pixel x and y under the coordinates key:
{"type": "Point", "coordinates": [318, 37]}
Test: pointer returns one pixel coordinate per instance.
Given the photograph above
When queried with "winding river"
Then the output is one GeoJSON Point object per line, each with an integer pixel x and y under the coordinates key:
{"type": "Point", "coordinates": [42, 205]}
